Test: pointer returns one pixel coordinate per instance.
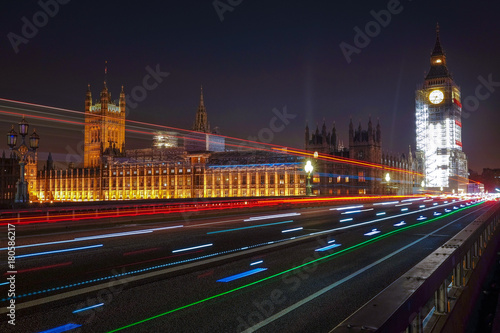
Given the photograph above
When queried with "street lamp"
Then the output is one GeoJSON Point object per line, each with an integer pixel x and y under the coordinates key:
{"type": "Point", "coordinates": [309, 169]}
{"type": "Point", "coordinates": [387, 181]}
{"type": "Point", "coordinates": [22, 152]}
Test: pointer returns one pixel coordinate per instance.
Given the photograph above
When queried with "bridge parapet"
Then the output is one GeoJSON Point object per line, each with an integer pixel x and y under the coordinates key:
{"type": "Point", "coordinates": [436, 295]}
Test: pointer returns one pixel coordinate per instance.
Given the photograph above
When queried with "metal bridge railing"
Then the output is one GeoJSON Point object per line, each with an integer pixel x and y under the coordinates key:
{"type": "Point", "coordinates": [437, 294]}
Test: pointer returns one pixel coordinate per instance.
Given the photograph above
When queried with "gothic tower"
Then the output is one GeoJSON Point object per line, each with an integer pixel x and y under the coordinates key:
{"type": "Point", "coordinates": [104, 127]}
{"type": "Point", "coordinates": [438, 113]}
{"type": "Point", "coordinates": [201, 123]}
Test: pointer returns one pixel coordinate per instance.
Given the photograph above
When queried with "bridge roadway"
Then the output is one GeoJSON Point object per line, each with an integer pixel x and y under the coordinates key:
{"type": "Point", "coordinates": [297, 270]}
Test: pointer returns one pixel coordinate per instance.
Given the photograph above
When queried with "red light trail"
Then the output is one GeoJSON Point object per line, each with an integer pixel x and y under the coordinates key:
{"type": "Point", "coordinates": [272, 147]}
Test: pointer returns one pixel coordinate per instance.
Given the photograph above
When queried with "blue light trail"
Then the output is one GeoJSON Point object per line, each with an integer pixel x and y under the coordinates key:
{"type": "Point", "coordinates": [63, 328]}
{"type": "Point", "coordinates": [326, 248]}
{"type": "Point", "coordinates": [58, 251]}
{"type": "Point", "coordinates": [242, 275]}
{"type": "Point", "coordinates": [88, 308]}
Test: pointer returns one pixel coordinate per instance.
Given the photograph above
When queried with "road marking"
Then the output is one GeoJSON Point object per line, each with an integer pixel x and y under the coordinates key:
{"type": "Point", "coordinates": [347, 278]}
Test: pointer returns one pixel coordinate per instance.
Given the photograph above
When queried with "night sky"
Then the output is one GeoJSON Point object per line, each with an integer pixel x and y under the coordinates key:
{"type": "Point", "coordinates": [263, 55]}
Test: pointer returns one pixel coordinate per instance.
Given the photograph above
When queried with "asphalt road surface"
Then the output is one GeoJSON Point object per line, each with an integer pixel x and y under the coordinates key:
{"type": "Point", "coordinates": [297, 270]}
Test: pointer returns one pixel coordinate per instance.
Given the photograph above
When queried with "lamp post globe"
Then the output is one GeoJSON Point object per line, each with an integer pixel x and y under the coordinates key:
{"type": "Point", "coordinates": [23, 151]}
{"type": "Point", "coordinates": [12, 138]}
{"type": "Point", "coordinates": [23, 127]}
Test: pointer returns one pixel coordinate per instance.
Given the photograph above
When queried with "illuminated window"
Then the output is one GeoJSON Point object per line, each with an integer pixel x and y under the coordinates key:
{"type": "Point", "coordinates": [347, 179]}
{"type": "Point", "coordinates": [361, 176]}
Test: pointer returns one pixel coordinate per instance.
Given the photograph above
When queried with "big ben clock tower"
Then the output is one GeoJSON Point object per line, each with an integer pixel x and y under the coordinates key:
{"type": "Point", "coordinates": [439, 127]}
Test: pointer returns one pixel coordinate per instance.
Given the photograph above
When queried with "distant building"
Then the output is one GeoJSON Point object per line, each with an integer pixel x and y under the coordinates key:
{"type": "Point", "coordinates": [195, 170]}
{"type": "Point", "coordinates": [491, 180]}
{"type": "Point", "coordinates": [340, 177]}
{"type": "Point", "coordinates": [197, 142]}
{"type": "Point", "coordinates": [164, 139]}
{"type": "Point", "coordinates": [475, 188]}
{"type": "Point", "coordinates": [9, 175]}
{"type": "Point", "coordinates": [203, 139]}
{"type": "Point", "coordinates": [439, 127]}
{"type": "Point", "coordinates": [201, 123]}
{"type": "Point", "coordinates": [104, 127]}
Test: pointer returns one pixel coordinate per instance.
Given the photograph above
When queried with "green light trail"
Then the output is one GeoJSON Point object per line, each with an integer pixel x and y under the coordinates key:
{"type": "Point", "coordinates": [329, 256]}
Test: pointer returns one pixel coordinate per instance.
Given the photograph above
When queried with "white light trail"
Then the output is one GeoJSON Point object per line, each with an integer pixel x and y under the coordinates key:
{"type": "Point", "coordinates": [291, 230]}
{"type": "Point", "coordinates": [349, 207]}
{"type": "Point", "coordinates": [193, 248]}
{"type": "Point", "coordinates": [357, 211]}
{"type": "Point", "coordinates": [386, 203]}
{"type": "Point", "coordinates": [373, 232]}
{"type": "Point", "coordinates": [266, 217]}
{"type": "Point", "coordinates": [326, 248]}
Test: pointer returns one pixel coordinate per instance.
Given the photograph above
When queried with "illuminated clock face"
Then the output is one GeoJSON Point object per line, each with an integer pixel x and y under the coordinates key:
{"type": "Point", "coordinates": [436, 96]}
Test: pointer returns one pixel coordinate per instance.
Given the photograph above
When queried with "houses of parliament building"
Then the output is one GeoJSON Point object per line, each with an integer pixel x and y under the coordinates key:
{"type": "Point", "coordinates": [203, 167]}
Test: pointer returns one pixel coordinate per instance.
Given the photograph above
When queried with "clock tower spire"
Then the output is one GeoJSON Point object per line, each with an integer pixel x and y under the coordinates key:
{"type": "Point", "coordinates": [438, 112]}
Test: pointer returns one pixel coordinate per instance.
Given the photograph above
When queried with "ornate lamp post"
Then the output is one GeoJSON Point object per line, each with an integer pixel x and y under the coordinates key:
{"type": "Point", "coordinates": [22, 151]}
{"type": "Point", "coordinates": [309, 169]}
